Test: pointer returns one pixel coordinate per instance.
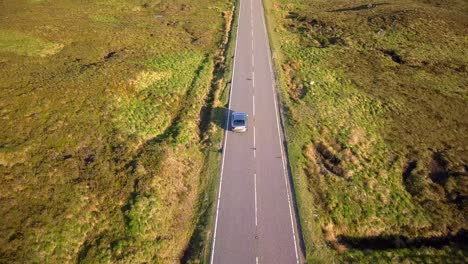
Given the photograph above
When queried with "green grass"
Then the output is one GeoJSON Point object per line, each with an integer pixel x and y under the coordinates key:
{"type": "Point", "coordinates": [366, 93]}
{"type": "Point", "coordinates": [23, 44]}
{"type": "Point", "coordinates": [199, 248]}
{"type": "Point", "coordinates": [155, 102]}
{"type": "Point", "coordinates": [101, 155]}
{"type": "Point", "coordinates": [105, 19]}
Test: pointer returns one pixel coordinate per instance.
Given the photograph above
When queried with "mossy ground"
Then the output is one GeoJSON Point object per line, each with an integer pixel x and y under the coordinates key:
{"type": "Point", "coordinates": [101, 154]}
{"type": "Point", "coordinates": [375, 100]}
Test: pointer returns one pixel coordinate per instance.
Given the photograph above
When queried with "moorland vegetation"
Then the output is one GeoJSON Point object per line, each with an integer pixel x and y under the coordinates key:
{"type": "Point", "coordinates": [107, 152]}
{"type": "Point", "coordinates": [375, 102]}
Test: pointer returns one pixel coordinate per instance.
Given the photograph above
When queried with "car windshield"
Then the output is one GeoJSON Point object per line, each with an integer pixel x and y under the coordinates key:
{"type": "Point", "coordinates": [238, 122]}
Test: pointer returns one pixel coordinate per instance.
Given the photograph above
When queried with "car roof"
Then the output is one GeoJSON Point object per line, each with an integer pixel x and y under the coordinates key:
{"type": "Point", "coordinates": [239, 115]}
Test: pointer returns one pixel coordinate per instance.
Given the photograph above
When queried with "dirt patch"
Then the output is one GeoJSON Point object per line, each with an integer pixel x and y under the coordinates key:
{"type": "Point", "coordinates": [296, 90]}
{"type": "Point", "coordinates": [395, 57]}
{"type": "Point", "coordinates": [110, 55]}
{"type": "Point", "coordinates": [334, 159]}
{"type": "Point", "coordinates": [322, 33]}
{"type": "Point", "coordinates": [414, 182]}
{"type": "Point", "coordinates": [331, 162]}
{"type": "Point", "coordinates": [330, 237]}
{"type": "Point", "coordinates": [434, 179]}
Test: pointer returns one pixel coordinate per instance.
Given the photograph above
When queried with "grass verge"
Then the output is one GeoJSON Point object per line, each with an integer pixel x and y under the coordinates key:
{"type": "Point", "coordinates": [199, 248]}
{"type": "Point", "coordinates": [363, 87]}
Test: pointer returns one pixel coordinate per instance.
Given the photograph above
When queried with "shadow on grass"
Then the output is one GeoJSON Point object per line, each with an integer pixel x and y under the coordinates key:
{"type": "Point", "coordinates": [221, 116]}
{"type": "Point", "coordinates": [386, 242]}
{"type": "Point", "coordinates": [216, 116]}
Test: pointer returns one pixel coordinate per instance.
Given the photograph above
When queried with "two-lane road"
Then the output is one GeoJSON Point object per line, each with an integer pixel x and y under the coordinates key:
{"type": "Point", "coordinates": [254, 216]}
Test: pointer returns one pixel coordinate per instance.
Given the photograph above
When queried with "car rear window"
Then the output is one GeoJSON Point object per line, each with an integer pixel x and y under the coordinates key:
{"type": "Point", "coordinates": [239, 122]}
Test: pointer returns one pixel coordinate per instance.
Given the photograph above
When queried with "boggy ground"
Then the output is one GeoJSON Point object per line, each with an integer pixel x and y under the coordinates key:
{"type": "Point", "coordinates": [375, 100]}
{"type": "Point", "coordinates": [100, 148]}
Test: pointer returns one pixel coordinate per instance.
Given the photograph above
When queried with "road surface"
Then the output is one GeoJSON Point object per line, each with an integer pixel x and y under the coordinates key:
{"type": "Point", "coordinates": [255, 220]}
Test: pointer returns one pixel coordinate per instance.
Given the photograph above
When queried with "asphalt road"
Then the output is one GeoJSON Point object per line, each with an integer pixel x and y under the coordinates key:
{"type": "Point", "coordinates": [255, 220]}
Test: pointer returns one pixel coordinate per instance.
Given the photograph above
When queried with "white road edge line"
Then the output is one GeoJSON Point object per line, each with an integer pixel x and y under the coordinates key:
{"type": "Point", "coordinates": [255, 186]}
{"type": "Point", "coordinates": [279, 135]}
{"type": "Point", "coordinates": [225, 140]}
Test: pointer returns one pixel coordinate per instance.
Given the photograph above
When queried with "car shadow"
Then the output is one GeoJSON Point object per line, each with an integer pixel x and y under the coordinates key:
{"type": "Point", "coordinates": [221, 116]}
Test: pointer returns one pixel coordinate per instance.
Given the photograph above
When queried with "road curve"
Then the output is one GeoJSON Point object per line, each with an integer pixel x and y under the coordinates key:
{"type": "Point", "coordinates": [255, 220]}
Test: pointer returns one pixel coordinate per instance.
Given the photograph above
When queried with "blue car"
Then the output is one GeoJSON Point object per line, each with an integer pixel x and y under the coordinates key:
{"type": "Point", "coordinates": [239, 122]}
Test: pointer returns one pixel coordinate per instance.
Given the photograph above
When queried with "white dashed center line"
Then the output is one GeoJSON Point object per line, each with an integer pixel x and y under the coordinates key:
{"type": "Point", "coordinates": [255, 186]}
